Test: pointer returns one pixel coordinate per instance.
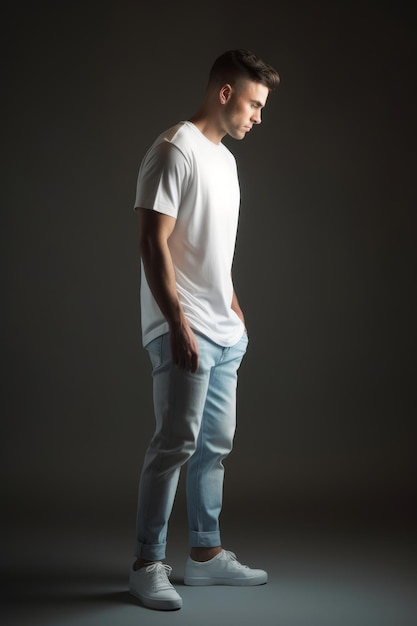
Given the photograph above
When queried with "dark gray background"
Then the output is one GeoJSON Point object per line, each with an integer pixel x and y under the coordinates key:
{"type": "Point", "coordinates": [325, 265]}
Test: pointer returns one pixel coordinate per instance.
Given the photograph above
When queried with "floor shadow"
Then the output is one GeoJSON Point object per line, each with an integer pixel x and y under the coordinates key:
{"type": "Point", "coordinates": [41, 588]}
{"type": "Point", "coordinates": [108, 597]}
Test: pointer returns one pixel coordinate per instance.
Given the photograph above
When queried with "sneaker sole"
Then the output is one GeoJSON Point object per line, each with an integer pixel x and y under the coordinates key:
{"type": "Point", "coordinates": [161, 605]}
{"type": "Point", "coordinates": [235, 582]}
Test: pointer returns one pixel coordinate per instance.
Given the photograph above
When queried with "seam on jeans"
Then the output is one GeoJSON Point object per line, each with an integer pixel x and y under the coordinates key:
{"type": "Point", "coordinates": [198, 471]}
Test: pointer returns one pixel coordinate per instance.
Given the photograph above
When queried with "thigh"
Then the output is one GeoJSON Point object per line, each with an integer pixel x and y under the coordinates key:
{"type": "Point", "coordinates": [220, 408]}
{"type": "Point", "coordinates": [224, 375]}
{"type": "Point", "coordinates": [179, 396]}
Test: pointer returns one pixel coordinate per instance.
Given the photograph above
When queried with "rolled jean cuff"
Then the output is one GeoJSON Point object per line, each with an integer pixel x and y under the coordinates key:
{"type": "Point", "coordinates": [204, 540]}
{"type": "Point", "coordinates": [153, 552]}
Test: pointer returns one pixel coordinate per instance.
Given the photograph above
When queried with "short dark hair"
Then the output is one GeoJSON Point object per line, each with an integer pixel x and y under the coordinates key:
{"type": "Point", "coordinates": [237, 64]}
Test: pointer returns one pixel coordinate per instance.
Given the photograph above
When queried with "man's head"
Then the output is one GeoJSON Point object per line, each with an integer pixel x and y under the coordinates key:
{"type": "Point", "coordinates": [238, 87]}
{"type": "Point", "coordinates": [234, 66]}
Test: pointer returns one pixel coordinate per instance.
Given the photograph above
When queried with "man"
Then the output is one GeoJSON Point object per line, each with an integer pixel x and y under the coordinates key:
{"type": "Point", "coordinates": [187, 205]}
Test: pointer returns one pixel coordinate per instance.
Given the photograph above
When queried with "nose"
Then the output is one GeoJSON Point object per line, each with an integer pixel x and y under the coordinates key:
{"type": "Point", "coordinates": [256, 117]}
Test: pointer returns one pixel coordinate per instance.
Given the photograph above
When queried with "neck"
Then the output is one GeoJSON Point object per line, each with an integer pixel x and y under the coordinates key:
{"type": "Point", "coordinates": [208, 124]}
{"type": "Point", "coordinates": [208, 129]}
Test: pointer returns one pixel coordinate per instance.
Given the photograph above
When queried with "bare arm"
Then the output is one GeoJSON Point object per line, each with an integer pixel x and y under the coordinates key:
{"type": "Point", "coordinates": [154, 232]}
{"type": "Point", "coordinates": [236, 308]}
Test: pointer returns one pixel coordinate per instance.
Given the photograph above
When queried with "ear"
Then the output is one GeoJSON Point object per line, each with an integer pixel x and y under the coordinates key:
{"type": "Point", "coordinates": [225, 93]}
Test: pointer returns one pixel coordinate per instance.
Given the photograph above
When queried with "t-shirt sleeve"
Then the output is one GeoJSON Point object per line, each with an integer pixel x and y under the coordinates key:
{"type": "Point", "coordinates": [162, 179]}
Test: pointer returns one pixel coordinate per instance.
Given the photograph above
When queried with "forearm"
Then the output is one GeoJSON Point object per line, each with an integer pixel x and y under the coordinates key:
{"type": "Point", "coordinates": [236, 308]}
{"type": "Point", "coordinates": [160, 275]}
{"type": "Point", "coordinates": [154, 232]}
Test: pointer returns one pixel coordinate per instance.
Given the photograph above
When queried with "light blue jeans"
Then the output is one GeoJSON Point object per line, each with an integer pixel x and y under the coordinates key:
{"type": "Point", "coordinates": [195, 424]}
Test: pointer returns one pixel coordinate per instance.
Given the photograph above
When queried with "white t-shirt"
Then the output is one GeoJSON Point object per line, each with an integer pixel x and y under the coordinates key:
{"type": "Point", "coordinates": [187, 176]}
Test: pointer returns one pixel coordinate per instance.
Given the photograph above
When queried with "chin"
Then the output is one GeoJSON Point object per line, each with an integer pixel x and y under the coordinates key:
{"type": "Point", "coordinates": [238, 135]}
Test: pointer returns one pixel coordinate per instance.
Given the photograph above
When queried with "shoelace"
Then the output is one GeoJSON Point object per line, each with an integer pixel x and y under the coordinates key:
{"type": "Point", "coordinates": [228, 555]}
{"type": "Point", "coordinates": [160, 573]}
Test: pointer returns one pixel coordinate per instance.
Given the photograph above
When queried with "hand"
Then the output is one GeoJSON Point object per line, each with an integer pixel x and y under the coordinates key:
{"type": "Point", "coordinates": [184, 348]}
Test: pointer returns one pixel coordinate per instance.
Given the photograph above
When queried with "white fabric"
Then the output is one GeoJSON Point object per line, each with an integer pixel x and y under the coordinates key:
{"type": "Point", "coordinates": [190, 178]}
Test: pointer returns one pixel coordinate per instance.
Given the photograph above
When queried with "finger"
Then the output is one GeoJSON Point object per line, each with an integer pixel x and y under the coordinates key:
{"type": "Point", "coordinates": [194, 362]}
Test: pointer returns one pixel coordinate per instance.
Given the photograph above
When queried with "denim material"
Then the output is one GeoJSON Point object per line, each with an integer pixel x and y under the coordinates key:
{"type": "Point", "coordinates": [195, 424]}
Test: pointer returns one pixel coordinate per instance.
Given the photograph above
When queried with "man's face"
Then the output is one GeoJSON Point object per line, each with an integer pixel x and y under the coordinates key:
{"type": "Point", "coordinates": [243, 108]}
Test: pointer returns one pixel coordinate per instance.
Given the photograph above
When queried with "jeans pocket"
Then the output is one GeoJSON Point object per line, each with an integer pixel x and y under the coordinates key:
{"type": "Point", "coordinates": [154, 349]}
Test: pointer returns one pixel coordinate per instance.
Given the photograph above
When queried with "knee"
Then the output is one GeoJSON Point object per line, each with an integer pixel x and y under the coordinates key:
{"type": "Point", "coordinates": [172, 453]}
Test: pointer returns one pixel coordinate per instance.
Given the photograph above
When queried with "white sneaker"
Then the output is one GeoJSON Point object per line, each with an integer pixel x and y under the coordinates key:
{"type": "Point", "coordinates": [151, 585]}
{"type": "Point", "coordinates": [223, 569]}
